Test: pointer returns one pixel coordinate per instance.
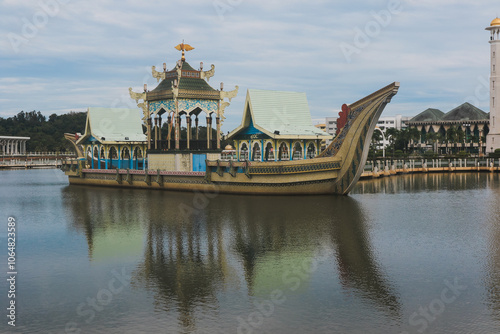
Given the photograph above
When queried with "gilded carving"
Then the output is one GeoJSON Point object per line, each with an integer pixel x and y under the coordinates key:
{"type": "Point", "coordinates": [136, 96]}
{"type": "Point", "coordinates": [208, 74]}
{"type": "Point", "coordinates": [223, 106]}
{"type": "Point", "coordinates": [158, 75]}
{"type": "Point", "coordinates": [230, 95]}
{"type": "Point", "coordinates": [144, 108]}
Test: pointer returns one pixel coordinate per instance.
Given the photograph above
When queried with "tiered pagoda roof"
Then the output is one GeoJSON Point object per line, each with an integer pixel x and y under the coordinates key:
{"type": "Point", "coordinates": [190, 83]}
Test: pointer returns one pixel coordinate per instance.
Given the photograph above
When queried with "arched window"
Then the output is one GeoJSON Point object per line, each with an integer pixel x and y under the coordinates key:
{"type": "Point", "coordinates": [244, 152]}
{"type": "Point", "coordinates": [283, 152]}
{"type": "Point", "coordinates": [256, 152]}
{"type": "Point", "coordinates": [125, 153]}
{"type": "Point", "coordinates": [297, 151]}
{"type": "Point", "coordinates": [311, 151]}
{"type": "Point", "coordinates": [269, 154]}
{"type": "Point", "coordinates": [113, 154]}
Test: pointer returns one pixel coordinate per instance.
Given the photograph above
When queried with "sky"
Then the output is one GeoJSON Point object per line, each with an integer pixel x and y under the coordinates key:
{"type": "Point", "coordinates": [58, 56]}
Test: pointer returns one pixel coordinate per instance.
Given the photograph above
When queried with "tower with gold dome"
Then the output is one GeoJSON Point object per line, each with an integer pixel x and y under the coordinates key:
{"type": "Point", "coordinates": [493, 137]}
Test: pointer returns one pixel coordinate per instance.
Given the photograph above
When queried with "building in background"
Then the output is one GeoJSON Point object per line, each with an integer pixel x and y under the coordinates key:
{"type": "Point", "coordinates": [331, 127]}
{"type": "Point", "coordinates": [493, 138]}
{"type": "Point", "coordinates": [472, 122]}
{"type": "Point", "coordinates": [322, 127]}
{"type": "Point", "coordinates": [399, 122]}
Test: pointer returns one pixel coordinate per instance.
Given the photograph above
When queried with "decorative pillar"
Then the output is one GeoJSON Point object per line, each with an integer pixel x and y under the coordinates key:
{"type": "Point", "coordinates": [131, 163]}
{"type": "Point", "coordinates": [159, 129]}
{"type": "Point", "coordinates": [217, 121]}
{"type": "Point", "coordinates": [188, 124]}
{"type": "Point", "coordinates": [120, 157]}
{"type": "Point", "coordinates": [156, 132]}
{"type": "Point", "coordinates": [209, 120]}
{"type": "Point", "coordinates": [177, 131]}
{"type": "Point", "coordinates": [196, 124]}
{"type": "Point", "coordinates": [169, 125]}
{"type": "Point", "coordinates": [106, 158]}
{"type": "Point", "coordinates": [149, 132]}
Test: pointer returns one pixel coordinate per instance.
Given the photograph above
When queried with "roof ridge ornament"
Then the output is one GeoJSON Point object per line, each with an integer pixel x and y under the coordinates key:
{"type": "Point", "coordinates": [207, 74]}
{"type": "Point", "coordinates": [184, 47]}
{"type": "Point", "coordinates": [158, 75]}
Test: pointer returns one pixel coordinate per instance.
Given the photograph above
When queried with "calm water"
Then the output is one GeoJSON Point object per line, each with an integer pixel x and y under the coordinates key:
{"type": "Point", "coordinates": [408, 254]}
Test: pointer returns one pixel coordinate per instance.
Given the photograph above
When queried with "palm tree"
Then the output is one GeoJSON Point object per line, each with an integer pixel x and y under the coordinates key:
{"type": "Point", "coordinates": [451, 136]}
{"type": "Point", "coordinates": [404, 136]}
{"type": "Point", "coordinates": [376, 138]}
{"type": "Point", "coordinates": [461, 135]}
{"type": "Point", "coordinates": [413, 135]}
{"type": "Point", "coordinates": [432, 138]}
{"type": "Point", "coordinates": [392, 135]}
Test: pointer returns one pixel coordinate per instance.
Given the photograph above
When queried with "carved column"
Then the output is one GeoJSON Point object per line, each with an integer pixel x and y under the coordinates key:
{"type": "Point", "coordinates": [177, 131]}
{"type": "Point", "coordinates": [196, 124]}
{"type": "Point", "coordinates": [156, 132]}
{"type": "Point", "coordinates": [188, 123]}
{"type": "Point", "coordinates": [149, 132]}
{"type": "Point", "coordinates": [169, 125]}
{"type": "Point", "coordinates": [217, 121]}
{"type": "Point", "coordinates": [159, 130]}
{"type": "Point", "coordinates": [209, 120]}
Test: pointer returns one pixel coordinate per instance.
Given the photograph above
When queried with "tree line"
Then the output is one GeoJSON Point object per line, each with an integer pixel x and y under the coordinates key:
{"type": "Point", "coordinates": [403, 141]}
{"type": "Point", "coordinates": [47, 134]}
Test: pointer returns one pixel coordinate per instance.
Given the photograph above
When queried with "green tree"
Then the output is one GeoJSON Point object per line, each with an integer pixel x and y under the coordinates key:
{"type": "Point", "coordinates": [392, 136]}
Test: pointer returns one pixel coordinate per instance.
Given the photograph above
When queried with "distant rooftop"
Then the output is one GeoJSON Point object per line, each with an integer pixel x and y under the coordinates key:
{"type": "Point", "coordinates": [428, 115]}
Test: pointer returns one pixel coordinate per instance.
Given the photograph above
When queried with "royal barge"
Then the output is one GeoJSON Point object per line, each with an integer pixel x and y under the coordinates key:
{"type": "Point", "coordinates": [275, 151]}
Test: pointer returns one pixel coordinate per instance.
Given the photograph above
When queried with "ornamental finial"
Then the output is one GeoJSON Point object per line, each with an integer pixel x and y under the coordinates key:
{"type": "Point", "coordinates": [184, 47]}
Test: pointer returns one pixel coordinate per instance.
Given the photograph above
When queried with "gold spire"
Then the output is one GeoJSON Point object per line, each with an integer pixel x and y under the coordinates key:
{"type": "Point", "coordinates": [184, 47]}
{"type": "Point", "coordinates": [495, 22]}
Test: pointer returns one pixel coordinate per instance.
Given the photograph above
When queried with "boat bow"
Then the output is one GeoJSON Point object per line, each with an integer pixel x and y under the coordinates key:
{"type": "Point", "coordinates": [353, 141]}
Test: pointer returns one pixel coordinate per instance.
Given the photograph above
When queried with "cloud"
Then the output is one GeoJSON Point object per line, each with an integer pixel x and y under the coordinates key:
{"type": "Point", "coordinates": [90, 52]}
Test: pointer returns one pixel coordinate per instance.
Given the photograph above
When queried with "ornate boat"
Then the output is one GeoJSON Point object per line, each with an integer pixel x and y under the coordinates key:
{"type": "Point", "coordinates": [145, 160]}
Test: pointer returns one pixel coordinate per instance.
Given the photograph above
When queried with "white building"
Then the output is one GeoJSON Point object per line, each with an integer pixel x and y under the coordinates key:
{"type": "Point", "coordinates": [398, 122]}
{"type": "Point", "coordinates": [493, 137]}
{"type": "Point", "coordinates": [331, 127]}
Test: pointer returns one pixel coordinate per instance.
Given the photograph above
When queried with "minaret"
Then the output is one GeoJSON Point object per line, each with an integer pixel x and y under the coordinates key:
{"type": "Point", "coordinates": [493, 137]}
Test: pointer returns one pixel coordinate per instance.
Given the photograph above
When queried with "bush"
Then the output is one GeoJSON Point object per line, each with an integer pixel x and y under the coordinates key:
{"type": "Point", "coordinates": [463, 154]}
{"type": "Point", "coordinates": [398, 153]}
{"type": "Point", "coordinates": [497, 151]}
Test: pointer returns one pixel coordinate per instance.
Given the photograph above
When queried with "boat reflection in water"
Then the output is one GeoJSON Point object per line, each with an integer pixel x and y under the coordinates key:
{"type": "Point", "coordinates": [426, 182]}
{"type": "Point", "coordinates": [200, 254]}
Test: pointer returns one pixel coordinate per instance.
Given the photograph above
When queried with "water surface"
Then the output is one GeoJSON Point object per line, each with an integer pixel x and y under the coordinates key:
{"type": "Point", "coordinates": [413, 253]}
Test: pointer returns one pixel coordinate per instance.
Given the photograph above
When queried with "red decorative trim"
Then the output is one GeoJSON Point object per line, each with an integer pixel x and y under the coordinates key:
{"type": "Point", "coordinates": [141, 172]}
{"type": "Point", "coordinates": [342, 120]}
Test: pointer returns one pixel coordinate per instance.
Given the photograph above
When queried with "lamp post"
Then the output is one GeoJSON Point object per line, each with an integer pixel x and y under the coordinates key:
{"type": "Point", "coordinates": [383, 141]}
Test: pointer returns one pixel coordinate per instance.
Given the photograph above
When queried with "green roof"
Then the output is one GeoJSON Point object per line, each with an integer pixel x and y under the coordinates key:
{"type": "Point", "coordinates": [278, 114]}
{"type": "Point", "coordinates": [465, 112]}
{"type": "Point", "coordinates": [428, 115]}
{"type": "Point", "coordinates": [114, 124]}
{"type": "Point", "coordinates": [184, 82]}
